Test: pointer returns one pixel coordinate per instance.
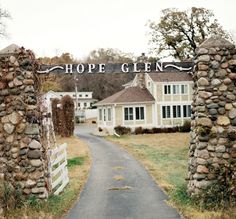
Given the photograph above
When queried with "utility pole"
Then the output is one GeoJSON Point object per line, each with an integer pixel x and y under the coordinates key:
{"type": "Point", "coordinates": [76, 93]}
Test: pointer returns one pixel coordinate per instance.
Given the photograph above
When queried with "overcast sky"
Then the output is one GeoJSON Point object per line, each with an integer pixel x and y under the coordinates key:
{"type": "Point", "coordinates": [50, 27]}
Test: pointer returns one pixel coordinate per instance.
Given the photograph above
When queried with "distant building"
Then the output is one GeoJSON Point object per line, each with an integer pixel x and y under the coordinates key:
{"type": "Point", "coordinates": [160, 99]}
{"type": "Point", "coordinates": [84, 99]}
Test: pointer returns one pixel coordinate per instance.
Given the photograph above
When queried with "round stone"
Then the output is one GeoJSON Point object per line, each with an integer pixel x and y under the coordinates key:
{"type": "Point", "coordinates": [34, 154]}
{"type": "Point", "coordinates": [36, 162]}
{"type": "Point", "coordinates": [224, 65]}
{"type": "Point", "coordinates": [220, 149]}
{"type": "Point", "coordinates": [201, 74]}
{"type": "Point", "coordinates": [12, 59]}
{"type": "Point", "coordinates": [204, 58]}
{"type": "Point", "coordinates": [228, 106]}
{"type": "Point", "coordinates": [202, 67]}
{"type": "Point", "coordinates": [201, 145]}
{"type": "Point", "coordinates": [221, 73]}
{"type": "Point", "coordinates": [30, 183]}
{"type": "Point", "coordinates": [232, 76]}
{"type": "Point", "coordinates": [223, 88]}
{"type": "Point", "coordinates": [223, 120]}
{"type": "Point", "coordinates": [204, 122]}
{"type": "Point", "coordinates": [34, 145]}
{"type": "Point", "coordinates": [212, 106]}
{"type": "Point", "coordinates": [232, 113]}
{"type": "Point", "coordinates": [17, 82]}
{"type": "Point", "coordinates": [203, 82]}
{"type": "Point", "coordinates": [10, 138]}
{"type": "Point", "coordinates": [231, 96]}
{"type": "Point", "coordinates": [14, 118]}
{"type": "Point", "coordinates": [21, 127]}
{"type": "Point", "coordinates": [212, 51]}
{"type": "Point", "coordinates": [227, 81]}
{"type": "Point", "coordinates": [217, 57]}
{"type": "Point", "coordinates": [232, 62]}
{"type": "Point", "coordinates": [201, 161]}
{"type": "Point", "coordinates": [212, 111]}
{"type": "Point", "coordinates": [215, 64]}
{"type": "Point", "coordinates": [203, 154]}
{"type": "Point", "coordinates": [9, 128]}
{"type": "Point", "coordinates": [202, 51]}
{"type": "Point", "coordinates": [202, 169]}
{"type": "Point", "coordinates": [204, 94]}
{"type": "Point", "coordinates": [215, 82]}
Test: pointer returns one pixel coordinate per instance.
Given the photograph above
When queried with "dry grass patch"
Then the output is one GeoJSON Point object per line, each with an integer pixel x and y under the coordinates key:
{"type": "Point", "coordinates": [118, 168]}
{"type": "Point", "coordinates": [165, 156]}
{"type": "Point", "coordinates": [120, 188]}
{"type": "Point", "coordinates": [118, 177]}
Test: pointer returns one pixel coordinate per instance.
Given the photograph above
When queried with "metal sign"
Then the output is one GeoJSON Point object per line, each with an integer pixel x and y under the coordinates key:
{"type": "Point", "coordinates": [117, 68]}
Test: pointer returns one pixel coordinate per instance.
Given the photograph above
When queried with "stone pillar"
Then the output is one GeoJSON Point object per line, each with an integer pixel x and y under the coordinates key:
{"type": "Point", "coordinates": [212, 153]}
{"type": "Point", "coordinates": [22, 156]}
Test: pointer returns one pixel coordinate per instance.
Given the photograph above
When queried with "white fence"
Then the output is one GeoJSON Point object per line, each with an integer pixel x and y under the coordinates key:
{"type": "Point", "coordinates": [58, 168]}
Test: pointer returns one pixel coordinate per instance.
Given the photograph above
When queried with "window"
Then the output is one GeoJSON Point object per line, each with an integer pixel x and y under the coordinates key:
{"type": "Point", "coordinates": [100, 114]}
{"type": "Point", "coordinates": [128, 113]}
{"type": "Point", "coordinates": [175, 89]}
{"type": "Point", "coordinates": [109, 114]}
{"type": "Point", "coordinates": [86, 95]}
{"type": "Point", "coordinates": [78, 104]}
{"type": "Point", "coordinates": [176, 111]}
{"type": "Point", "coordinates": [186, 111]}
{"type": "Point", "coordinates": [85, 104]}
{"type": "Point", "coordinates": [165, 112]}
{"type": "Point", "coordinates": [167, 89]}
{"type": "Point", "coordinates": [80, 95]}
{"type": "Point", "coordinates": [104, 115]}
{"type": "Point", "coordinates": [139, 113]}
{"type": "Point", "coordinates": [184, 88]}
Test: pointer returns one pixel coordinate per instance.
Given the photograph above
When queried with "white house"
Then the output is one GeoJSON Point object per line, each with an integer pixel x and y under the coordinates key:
{"type": "Point", "coordinates": [160, 99]}
{"type": "Point", "coordinates": [83, 101]}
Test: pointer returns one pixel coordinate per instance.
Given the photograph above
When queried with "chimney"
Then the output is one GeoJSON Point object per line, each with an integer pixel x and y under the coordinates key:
{"type": "Point", "coordinates": [141, 80]}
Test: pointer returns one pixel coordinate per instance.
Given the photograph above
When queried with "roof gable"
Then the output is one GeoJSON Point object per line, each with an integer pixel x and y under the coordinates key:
{"type": "Point", "coordinates": [129, 95]}
{"type": "Point", "coordinates": [170, 76]}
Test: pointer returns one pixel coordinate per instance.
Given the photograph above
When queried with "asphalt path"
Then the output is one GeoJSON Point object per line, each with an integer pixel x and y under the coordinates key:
{"type": "Point", "coordinates": [118, 187]}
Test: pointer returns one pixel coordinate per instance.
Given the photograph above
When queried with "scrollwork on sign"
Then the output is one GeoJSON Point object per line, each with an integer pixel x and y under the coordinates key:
{"type": "Point", "coordinates": [178, 67]}
{"type": "Point", "coordinates": [50, 69]}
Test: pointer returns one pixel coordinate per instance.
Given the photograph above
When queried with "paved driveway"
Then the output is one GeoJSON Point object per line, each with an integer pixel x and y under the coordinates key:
{"type": "Point", "coordinates": [107, 196]}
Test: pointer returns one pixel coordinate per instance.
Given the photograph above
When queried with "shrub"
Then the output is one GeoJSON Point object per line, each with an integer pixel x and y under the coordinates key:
{"type": "Point", "coordinates": [138, 131]}
{"type": "Point", "coordinates": [67, 116]}
{"type": "Point", "coordinates": [221, 193]}
{"type": "Point", "coordinates": [147, 131]}
{"type": "Point", "coordinates": [100, 129]}
{"type": "Point", "coordinates": [186, 126]}
{"type": "Point", "coordinates": [121, 130]}
{"type": "Point", "coordinates": [55, 115]}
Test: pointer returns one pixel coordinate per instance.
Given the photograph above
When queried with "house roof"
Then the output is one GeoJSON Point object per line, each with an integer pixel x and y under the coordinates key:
{"type": "Point", "coordinates": [128, 95]}
{"type": "Point", "coordinates": [170, 76]}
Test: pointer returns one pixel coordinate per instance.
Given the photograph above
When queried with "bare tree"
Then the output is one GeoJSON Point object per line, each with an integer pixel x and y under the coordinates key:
{"type": "Point", "coordinates": [178, 33]}
{"type": "Point", "coordinates": [4, 15]}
